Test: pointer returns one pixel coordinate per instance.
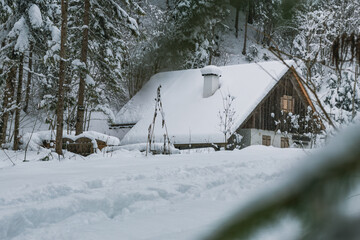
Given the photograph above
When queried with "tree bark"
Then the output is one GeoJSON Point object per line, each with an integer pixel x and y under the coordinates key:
{"type": "Point", "coordinates": [28, 84]}
{"type": "Point", "coordinates": [18, 103]}
{"type": "Point", "coordinates": [84, 48]}
{"type": "Point", "coordinates": [62, 73]}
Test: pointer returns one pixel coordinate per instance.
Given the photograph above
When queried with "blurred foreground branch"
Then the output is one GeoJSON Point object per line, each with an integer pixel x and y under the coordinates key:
{"type": "Point", "coordinates": [312, 197]}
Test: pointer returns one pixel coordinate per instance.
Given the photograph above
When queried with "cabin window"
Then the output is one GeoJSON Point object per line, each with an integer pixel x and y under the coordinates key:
{"type": "Point", "coordinates": [287, 103]}
{"type": "Point", "coordinates": [284, 142]}
{"type": "Point", "coordinates": [266, 140]}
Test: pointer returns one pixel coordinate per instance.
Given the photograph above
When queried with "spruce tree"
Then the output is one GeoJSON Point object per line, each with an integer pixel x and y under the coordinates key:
{"type": "Point", "coordinates": [22, 27]}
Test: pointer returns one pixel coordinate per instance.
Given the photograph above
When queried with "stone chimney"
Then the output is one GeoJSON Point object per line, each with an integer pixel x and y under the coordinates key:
{"type": "Point", "coordinates": [211, 80]}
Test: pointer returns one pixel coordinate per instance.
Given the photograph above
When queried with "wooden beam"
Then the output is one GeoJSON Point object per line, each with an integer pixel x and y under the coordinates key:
{"type": "Point", "coordinates": [303, 91]}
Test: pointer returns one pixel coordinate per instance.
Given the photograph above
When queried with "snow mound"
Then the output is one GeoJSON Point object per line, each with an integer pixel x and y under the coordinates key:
{"type": "Point", "coordinates": [133, 197]}
{"type": "Point", "coordinates": [155, 147]}
{"type": "Point", "coordinates": [109, 140]}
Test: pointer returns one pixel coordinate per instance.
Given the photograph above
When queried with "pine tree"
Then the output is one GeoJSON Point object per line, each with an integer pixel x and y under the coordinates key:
{"type": "Point", "coordinates": [22, 27]}
{"type": "Point", "coordinates": [268, 17]}
{"type": "Point", "coordinates": [195, 32]}
{"type": "Point", "coordinates": [108, 40]}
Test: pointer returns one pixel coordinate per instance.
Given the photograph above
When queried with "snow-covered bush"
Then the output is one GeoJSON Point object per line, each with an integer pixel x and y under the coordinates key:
{"type": "Point", "coordinates": [309, 126]}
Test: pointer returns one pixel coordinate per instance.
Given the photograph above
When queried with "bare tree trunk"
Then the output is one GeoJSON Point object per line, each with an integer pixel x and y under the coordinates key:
{"type": "Point", "coordinates": [62, 73]}
{"type": "Point", "coordinates": [251, 12]}
{"type": "Point", "coordinates": [84, 48]}
{"type": "Point", "coordinates": [28, 84]}
{"type": "Point", "coordinates": [85, 117]}
{"type": "Point", "coordinates": [8, 97]}
{"type": "Point", "coordinates": [89, 118]}
{"type": "Point", "coordinates": [237, 22]}
{"type": "Point", "coordinates": [354, 92]}
{"type": "Point", "coordinates": [18, 103]}
{"type": "Point", "coordinates": [210, 57]}
{"type": "Point", "coordinates": [67, 104]}
{"type": "Point", "coordinates": [68, 119]}
{"type": "Point", "coordinates": [245, 33]}
{"type": "Point", "coordinates": [7, 101]}
{"type": "Point", "coordinates": [10, 137]}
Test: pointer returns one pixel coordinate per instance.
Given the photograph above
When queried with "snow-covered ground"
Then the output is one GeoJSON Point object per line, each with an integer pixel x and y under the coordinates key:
{"type": "Point", "coordinates": [125, 195]}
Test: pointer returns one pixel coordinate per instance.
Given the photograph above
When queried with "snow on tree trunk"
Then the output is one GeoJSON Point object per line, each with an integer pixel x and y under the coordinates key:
{"type": "Point", "coordinates": [18, 103]}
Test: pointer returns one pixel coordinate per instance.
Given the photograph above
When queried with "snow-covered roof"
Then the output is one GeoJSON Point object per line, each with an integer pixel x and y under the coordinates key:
{"type": "Point", "coordinates": [190, 118]}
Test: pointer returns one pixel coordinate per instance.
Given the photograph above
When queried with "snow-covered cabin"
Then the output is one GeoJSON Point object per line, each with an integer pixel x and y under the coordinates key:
{"type": "Point", "coordinates": [266, 98]}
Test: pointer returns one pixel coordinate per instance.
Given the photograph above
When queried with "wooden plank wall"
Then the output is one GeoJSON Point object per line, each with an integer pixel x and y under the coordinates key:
{"type": "Point", "coordinates": [261, 117]}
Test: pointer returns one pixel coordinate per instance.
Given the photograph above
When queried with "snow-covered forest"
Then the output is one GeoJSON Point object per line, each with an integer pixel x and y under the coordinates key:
{"type": "Point", "coordinates": [65, 62]}
{"type": "Point", "coordinates": [111, 48]}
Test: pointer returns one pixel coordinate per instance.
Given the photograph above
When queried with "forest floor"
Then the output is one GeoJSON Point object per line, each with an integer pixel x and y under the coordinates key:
{"type": "Point", "coordinates": [125, 195]}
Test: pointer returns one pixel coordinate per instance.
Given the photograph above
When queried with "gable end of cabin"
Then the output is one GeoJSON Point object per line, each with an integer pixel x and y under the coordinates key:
{"type": "Point", "coordinates": [273, 121]}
